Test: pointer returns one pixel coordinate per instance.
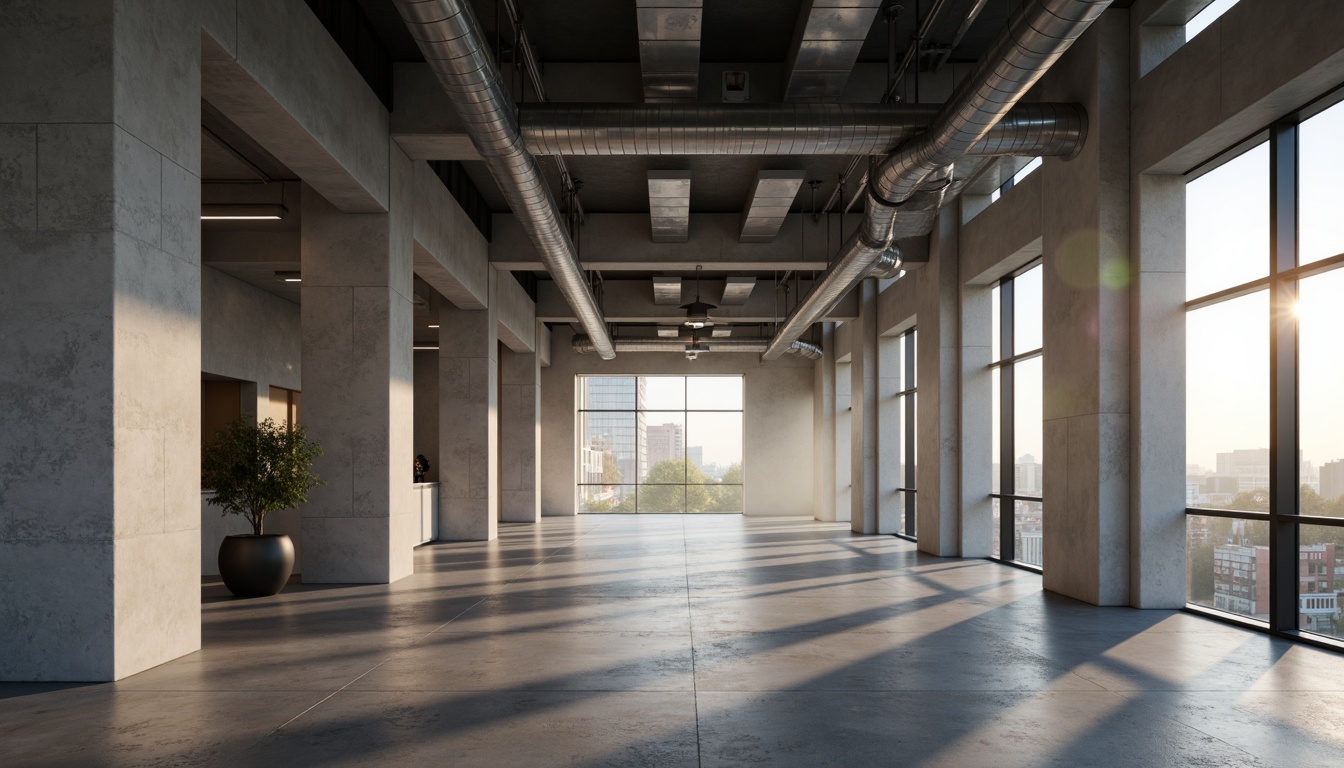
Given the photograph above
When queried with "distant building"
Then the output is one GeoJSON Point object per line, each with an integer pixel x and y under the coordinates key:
{"type": "Point", "coordinates": [665, 443]}
{"type": "Point", "coordinates": [1250, 467]}
{"type": "Point", "coordinates": [1028, 476]}
{"type": "Point", "coordinates": [696, 455]}
{"type": "Point", "coordinates": [1241, 584]}
{"type": "Point", "coordinates": [1332, 479]}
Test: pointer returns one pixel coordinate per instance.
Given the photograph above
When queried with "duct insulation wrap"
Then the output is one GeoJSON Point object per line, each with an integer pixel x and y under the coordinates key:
{"type": "Point", "coordinates": [583, 345]}
{"type": "Point", "coordinates": [901, 198]}
{"type": "Point", "coordinates": [1048, 130]}
{"type": "Point", "coordinates": [453, 45]}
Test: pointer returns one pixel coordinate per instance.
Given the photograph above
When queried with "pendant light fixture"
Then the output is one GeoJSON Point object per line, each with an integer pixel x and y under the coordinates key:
{"type": "Point", "coordinates": [697, 312]}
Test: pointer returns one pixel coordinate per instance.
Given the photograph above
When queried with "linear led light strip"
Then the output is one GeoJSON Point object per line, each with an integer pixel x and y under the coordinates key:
{"type": "Point", "coordinates": [242, 212]}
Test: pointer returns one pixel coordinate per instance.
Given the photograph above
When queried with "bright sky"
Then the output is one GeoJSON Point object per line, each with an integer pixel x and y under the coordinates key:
{"type": "Point", "coordinates": [1207, 16]}
{"type": "Point", "coordinates": [1227, 351]}
{"type": "Point", "coordinates": [720, 434]}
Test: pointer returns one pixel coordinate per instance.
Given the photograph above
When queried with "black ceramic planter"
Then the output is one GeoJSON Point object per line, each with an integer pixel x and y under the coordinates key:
{"type": "Point", "coordinates": [256, 566]}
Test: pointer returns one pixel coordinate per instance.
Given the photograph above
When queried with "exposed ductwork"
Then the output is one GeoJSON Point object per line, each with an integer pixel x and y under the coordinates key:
{"type": "Point", "coordinates": [583, 345]}
{"type": "Point", "coordinates": [452, 43]}
{"type": "Point", "coordinates": [914, 179]}
{"type": "Point", "coordinates": [779, 129]}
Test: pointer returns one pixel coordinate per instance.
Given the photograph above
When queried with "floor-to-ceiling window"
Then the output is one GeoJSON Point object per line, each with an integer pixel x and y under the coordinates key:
{"type": "Point", "coordinates": [659, 444]}
{"type": "Point", "coordinates": [1017, 438]}
{"type": "Point", "coordinates": [905, 412]}
{"type": "Point", "coordinates": [1265, 377]}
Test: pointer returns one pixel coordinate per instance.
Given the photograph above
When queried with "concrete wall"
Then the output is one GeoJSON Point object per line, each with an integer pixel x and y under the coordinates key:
{"type": "Point", "coordinates": [777, 430]}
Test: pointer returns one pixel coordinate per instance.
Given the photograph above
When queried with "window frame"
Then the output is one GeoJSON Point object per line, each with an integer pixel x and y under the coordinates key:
{"type": "Point", "coordinates": [639, 410]}
{"type": "Point", "coordinates": [1005, 365]}
{"type": "Point", "coordinates": [1284, 516]}
{"type": "Point", "coordinates": [908, 394]}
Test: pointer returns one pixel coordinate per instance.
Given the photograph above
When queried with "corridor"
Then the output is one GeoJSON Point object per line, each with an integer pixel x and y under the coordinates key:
{"type": "Point", "coordinates": [694, 640]}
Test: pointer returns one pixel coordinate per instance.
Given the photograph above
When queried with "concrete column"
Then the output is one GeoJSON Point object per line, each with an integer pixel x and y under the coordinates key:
{"type": "Point", "coordinates": [358, 395]}
{"type": "Point", "coordinates": [100, 336]}
{"type": "Point", "coordinates": [1087, 300]}
{"type": "Point", "coordinates": [891, 434]}
{"type": "Point", "coordinates": [863, 374]}
{"type": "Point", "coordinates": [468, 423]}
{"type": "Point", "coordinates": [937, 366]}
{"type": "Point", "coordinates": [1157, 380]}
{"type": "Point", "coordinates": [823, 427]}
{"type": "Point", "coordinates": [520, 437]}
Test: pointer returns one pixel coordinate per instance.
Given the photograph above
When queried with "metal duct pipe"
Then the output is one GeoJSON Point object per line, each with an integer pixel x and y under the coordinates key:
{"type": "Point", "coordinates": [583, 345]}
{"type": "Point", "coordinates": [779, 129]}
{"type": "Point", "coordinates": [1037, 35]}
{"type": "Point", "coordinates": [451, 40]}
{"type": "Point", "coordinates": [914, 178]}
{"type": "Point", "coordinates": [888, 264]}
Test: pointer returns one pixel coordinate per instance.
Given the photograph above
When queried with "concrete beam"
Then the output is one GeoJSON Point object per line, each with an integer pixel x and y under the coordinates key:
{"type": "Point", "coordinates": [515, 313]}
{"type": "Point", "coordinates": [620, 241]}
{"type": "Point", "coordinates": [631, 301]}
{"type": "Point", "coordinates": [320, 119]}
{"type": "Point", "coordinates": [450, 253]}
{"type": "Point", "coordinates": [1233, 79]}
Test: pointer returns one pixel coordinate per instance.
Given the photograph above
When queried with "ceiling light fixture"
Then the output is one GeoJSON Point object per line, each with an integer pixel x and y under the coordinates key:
{"type": "Point", "coordinates": [697, 312]}
{"type": "Point", "coordinates": [433, 326]}
{"type": "Point", "coordinates": [289, 277]}
{"type": "Point", "coordinates": [243, 211]}
{"type": "Point", "coordinates": [424, 347]}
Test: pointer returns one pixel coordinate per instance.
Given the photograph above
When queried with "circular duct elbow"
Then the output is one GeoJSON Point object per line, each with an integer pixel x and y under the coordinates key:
{"type": "Point", "coordinates": [805, 349]}
{"type": "Point", "coordinates": [888, 264]}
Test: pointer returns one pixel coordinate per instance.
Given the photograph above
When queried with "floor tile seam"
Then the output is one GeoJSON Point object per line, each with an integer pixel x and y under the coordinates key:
{"type": "Point", "coordinates": [695, 691]}
{"type": "Point", "coordinates": [1175, 719]}
{"type": "Point", "coordinates": [331, 695]}
{"type": "Point", "coordinates": [513, 691]}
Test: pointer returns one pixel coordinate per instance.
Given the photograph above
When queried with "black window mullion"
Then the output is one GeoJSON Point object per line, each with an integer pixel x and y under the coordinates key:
{"type": "Point", "coordinates": [1007, 439]}
{"type": "Point", "coordinates": [1283, 422]}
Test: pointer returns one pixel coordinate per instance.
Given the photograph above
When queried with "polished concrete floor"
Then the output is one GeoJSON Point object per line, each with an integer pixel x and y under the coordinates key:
{"type": "Point", "coordinates": [714, 641]}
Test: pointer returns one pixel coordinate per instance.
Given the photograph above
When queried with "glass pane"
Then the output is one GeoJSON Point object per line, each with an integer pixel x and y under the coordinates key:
{"type": "Point", "coordinates": [662, 499]}
{"type": "Point", "coordinates": [1227, 403]}
{"type": "Point", "coordinates": [1320, 320]}
{"type": "Point", "coordinates": [1028, 426]}
{"type": "Point", "coordinates": [995, 550]}
{"type": "Point", "coordinates": [913, 373]}
{"type": "Point", "coordinates": [1026, 170]}
{"type": "Point", "coordinates": [898, 431]}
{"type": "Point", "coordinates": [607, 448]}
{"type": "Point", "coordinates": [662, 393]}
{"type": "Point", "coordinates": [716, 439]}
{"type": "Point", "coordinates": [714, 498]}
{"type": "Point", "coordinates": [1320, 174]}
{"type": "Point", "coordinates": [1027, 532]}
{"type": "Point", "coordinates": [1227, 565]}
{"type": "Point", "coordinates": [664, 442]}
{"type": "Point", "coordinates": [996, 442]}
{"type": "Point", "coordinates": [714, 393]}
{"type": "Point", "coordinates": [607, 392]}
{"type": "Point", "coordinates": [1227, 224]}
{"type": "Point", "coordinates": [1027, 311]}
{"type": "Point", "coordinates": [1319, 553]}
{"type": "Point", "coordinates": [995, 324]}
{"type": "Point", "coordinates": [598, 499]}
{"type": "Point", "coordinates": [1204, 18]}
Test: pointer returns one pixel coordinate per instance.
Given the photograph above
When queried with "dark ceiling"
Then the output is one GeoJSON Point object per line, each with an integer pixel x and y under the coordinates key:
{"type": "Point", "coordinates": [733, 31]}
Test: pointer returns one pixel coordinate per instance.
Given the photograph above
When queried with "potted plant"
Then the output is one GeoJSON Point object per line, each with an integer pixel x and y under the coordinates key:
{"type": "Point", "coordinates": [256, 469]}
